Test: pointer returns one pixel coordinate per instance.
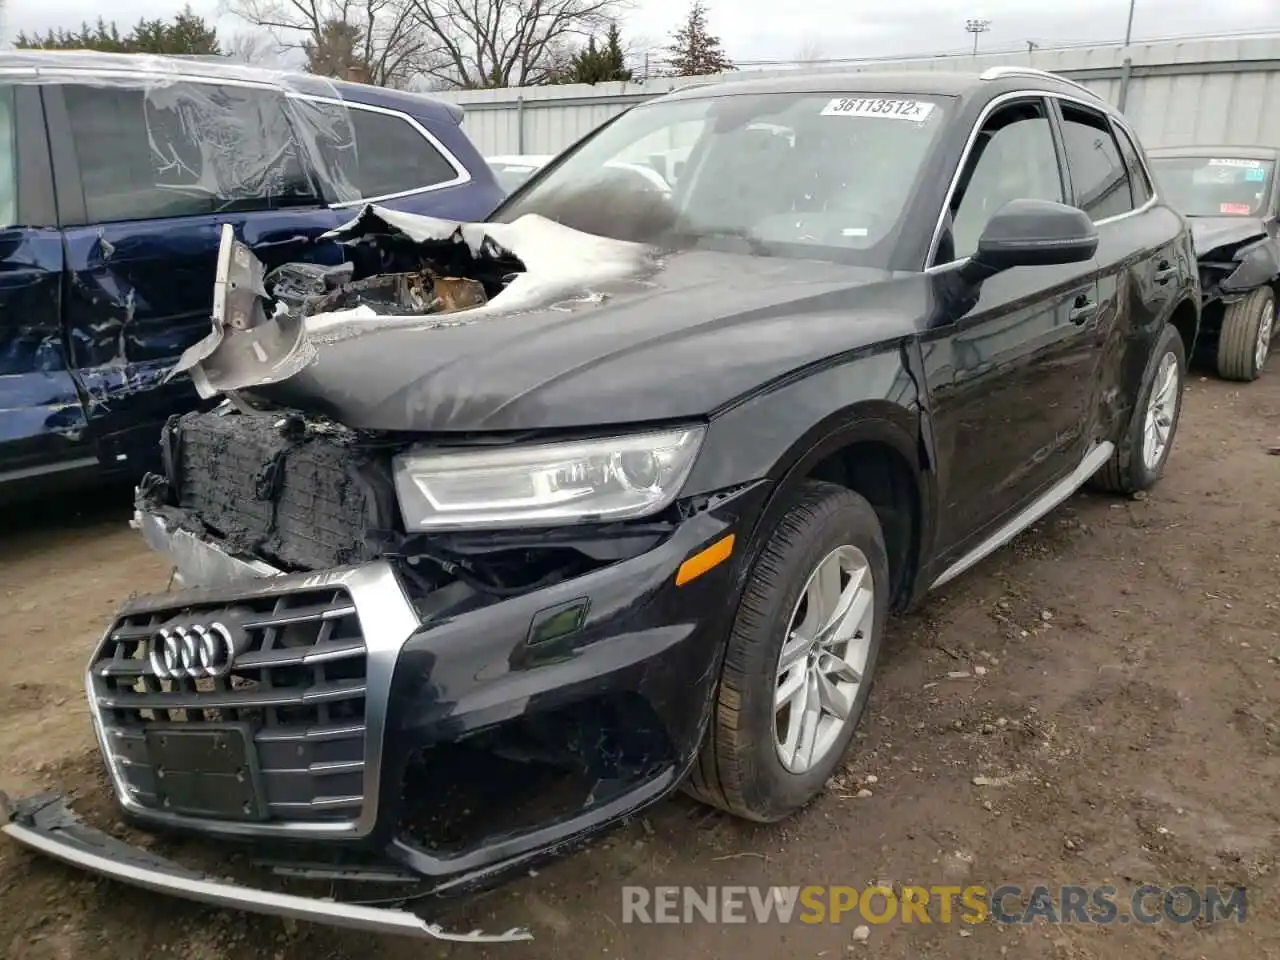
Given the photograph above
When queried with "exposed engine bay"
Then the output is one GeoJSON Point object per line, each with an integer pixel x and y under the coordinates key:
{"type": "Point", "coordinates": [401, 270]}
{"type": "Point", "coordinates": [307, 289]}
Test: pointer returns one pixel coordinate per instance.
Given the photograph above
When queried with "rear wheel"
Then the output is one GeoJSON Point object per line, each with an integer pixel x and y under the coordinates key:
{"type": "Point", "coordinates": [798, 667]}
{"type": "Point", "coordinates": [1139, 459]}
{"type": "Point", "coordinates": [1248, 326]}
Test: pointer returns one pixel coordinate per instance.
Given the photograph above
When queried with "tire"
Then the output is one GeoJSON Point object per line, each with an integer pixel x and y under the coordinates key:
{"type": "Point", "coordinates": [739, 768]}
{"type": "Point", "coordinates": [1128, 470]}
{"type": "Point", "coordinates": [1245, 325]}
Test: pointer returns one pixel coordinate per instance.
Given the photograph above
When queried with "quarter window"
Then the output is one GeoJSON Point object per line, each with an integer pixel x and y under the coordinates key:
{"type": "Point", "coordinates": [1097, 169]}
{"type": "Point", "coordinates": [185, 149]}
{"type": "Point", "coordinates": [1012, 158]}
{"type": "Point", "coordinates": [8, 161]}
{"type": "Point", "coordinates": [394, 157]}
{"type": "Point", "coordinates": [1138, 182]}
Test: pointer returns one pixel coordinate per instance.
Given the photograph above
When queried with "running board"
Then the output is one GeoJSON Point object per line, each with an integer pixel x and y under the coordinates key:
{"type": "Point", "coordinates": [1064, 488]}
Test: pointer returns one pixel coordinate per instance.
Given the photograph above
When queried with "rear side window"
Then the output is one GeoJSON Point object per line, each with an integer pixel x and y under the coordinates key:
{"type": "Point", "coordinates": [1138, 182]}
{"type": "Point", "coordinates": [1097, 169]}
{"type": "Point", "coordinates": [185, 149]}
{"type": "Point", "coordinates": [394, 156]}
{"type": "Point", "coordinates": [8, 161]}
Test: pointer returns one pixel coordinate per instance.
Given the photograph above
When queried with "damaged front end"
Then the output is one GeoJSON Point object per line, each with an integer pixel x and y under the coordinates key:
{"type": "Point", "coordinates": [47, 824]}
{"type": "Point", "coordinates": [249, 347]}
{"type": "Point", "coordinates": [403, 271]}
{"type": "Point", "coordinates": [1234, 255]}
{"type": "Point", "coordinates": [338, 676]}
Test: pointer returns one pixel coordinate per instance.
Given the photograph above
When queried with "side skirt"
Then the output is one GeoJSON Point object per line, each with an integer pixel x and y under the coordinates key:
{"type": "Point", "coordinates": [1059, 492]}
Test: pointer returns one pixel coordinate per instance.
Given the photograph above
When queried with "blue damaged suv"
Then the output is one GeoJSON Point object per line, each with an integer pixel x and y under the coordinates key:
{"type": "Point", "coordinates": [116, 174]}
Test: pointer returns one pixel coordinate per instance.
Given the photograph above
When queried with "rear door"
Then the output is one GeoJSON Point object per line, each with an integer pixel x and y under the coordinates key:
{"type": "Point", "coordinates": [41, 420]}
{"type": "Point", "coordinates": [1008, 377]}
{"type": "Point", "coordinates": [1139, 256]}
{"type": "Point", "coordinates": [145, 178]}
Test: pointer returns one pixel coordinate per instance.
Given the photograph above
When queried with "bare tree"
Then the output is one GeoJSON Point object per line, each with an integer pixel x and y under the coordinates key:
{"type": "Point", "coordinates": [390, 51]}
{"type": "Point", "coordinates": [811, 50]}
{"type": "Point", "coordinates": [507, 43]}
{"type": "Point", "coordinates": [254, 47]}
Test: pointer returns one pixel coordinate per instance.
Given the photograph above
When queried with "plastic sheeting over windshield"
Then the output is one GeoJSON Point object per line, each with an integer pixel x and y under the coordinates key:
{"type": "Point", "coordinates": [218, 130]}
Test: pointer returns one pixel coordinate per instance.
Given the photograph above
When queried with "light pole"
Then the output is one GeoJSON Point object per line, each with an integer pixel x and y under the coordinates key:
{"type": "Point", "coordinates": [976, 26]}
{"type": "Point", "coordinates": [1126, 68]}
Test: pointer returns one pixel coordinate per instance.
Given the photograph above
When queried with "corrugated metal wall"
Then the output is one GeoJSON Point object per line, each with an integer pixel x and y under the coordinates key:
{"type": "Point", "coordinates": [1205, 91]}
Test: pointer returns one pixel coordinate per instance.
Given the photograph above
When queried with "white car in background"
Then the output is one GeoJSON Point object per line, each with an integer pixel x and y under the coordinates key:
{"type": "Point", "coordinates": [513, 169]}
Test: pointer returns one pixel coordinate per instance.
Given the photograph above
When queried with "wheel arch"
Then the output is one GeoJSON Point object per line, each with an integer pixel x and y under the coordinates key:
{"type": "Point", "coordinates": [1185, 318]}
{"type": "Point", "coordinates": [873, 448]}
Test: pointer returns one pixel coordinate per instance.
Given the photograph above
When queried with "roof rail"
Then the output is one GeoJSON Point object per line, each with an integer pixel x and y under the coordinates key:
{"type": "Point", "coordinates": [995, 73]}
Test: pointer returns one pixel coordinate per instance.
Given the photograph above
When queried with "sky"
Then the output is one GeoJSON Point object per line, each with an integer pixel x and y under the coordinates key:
{"type": "Point", "coordinates": [765, 30]}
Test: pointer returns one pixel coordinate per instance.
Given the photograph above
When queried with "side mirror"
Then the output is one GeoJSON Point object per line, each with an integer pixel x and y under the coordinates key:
{"type": "Point", "coordinates": [1031, 233]}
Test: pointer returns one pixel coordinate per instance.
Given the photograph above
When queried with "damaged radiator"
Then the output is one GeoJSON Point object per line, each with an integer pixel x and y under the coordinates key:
{"type": "Point", "coordinates": [298, 497]}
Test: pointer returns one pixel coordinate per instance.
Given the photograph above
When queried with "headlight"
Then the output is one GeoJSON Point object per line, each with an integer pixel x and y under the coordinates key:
{"type": "Point", "coordinates": [545, 484]}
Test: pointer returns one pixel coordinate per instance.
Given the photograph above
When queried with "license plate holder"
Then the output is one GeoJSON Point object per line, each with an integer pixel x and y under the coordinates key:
{"type": "Point", "coordinates": [206, 770]}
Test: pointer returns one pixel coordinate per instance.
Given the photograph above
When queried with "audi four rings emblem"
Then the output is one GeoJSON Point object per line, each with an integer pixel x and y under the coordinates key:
{"type": "Point", "coordinates": [193, 650]}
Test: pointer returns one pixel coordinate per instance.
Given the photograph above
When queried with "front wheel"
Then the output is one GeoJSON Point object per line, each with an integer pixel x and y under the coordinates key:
{"type": "Point", "coordinates": [800, 657]}
{"type": "Point", "coordinates": [1139, 458]}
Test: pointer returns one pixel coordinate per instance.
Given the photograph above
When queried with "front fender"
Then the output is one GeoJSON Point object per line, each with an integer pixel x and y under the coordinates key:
{"type": "Point", "coordinates": [1259, 264]}
{"type": "Point", "coordinates": [781, 434]}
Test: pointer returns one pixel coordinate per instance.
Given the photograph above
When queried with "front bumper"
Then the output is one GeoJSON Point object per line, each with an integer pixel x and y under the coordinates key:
{"type": "Point", "coordinates": [46, 824]}
{"type": "Point", "coordinates": [443, 672]}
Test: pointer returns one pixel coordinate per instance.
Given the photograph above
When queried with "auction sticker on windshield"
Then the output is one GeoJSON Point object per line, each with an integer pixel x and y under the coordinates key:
{"type": "Point", "coordinates": [914, 110]}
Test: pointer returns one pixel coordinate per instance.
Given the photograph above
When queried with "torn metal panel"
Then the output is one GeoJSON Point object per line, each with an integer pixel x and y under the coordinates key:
{"type": "Point", "coordinates": [196, 562]}
{"type": "Point", "coordinates": [1211, 233]}
{"type": "Point", "coordinates": [46, 823]}
{"type": "Point", "coordinates": [519, 266]}
{"type": "Point", "coordinates": [1259, 264]}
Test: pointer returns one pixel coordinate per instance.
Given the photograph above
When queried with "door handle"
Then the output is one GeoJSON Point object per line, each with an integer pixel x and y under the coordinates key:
{"type": "Point", "coordinates": [1083, 309]}
{"type": "Point", "coordinates": [1165, 271]}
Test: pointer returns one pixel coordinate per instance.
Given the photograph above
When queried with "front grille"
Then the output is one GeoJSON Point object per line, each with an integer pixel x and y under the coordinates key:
{"type": "Point", "coordinates": [306, 503]}
{"type": "Point", "coordinates": [296, 689]}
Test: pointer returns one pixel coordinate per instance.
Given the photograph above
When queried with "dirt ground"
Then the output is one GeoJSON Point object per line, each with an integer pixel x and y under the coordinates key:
{"type": "Point", "coordinates": [1127, 707]}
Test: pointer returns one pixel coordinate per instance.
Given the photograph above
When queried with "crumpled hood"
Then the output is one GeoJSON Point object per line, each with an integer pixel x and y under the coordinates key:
{"type": "Point", "coordinates": [702, 330]}
{"type": "Point", "coordinates": [1210, 233]}
{"type": "Point", "coordinates": [595, 332]}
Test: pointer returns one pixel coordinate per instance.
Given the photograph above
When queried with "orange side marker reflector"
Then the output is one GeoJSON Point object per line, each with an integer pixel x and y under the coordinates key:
{"type": "Point", "coordinates": [708, 559]}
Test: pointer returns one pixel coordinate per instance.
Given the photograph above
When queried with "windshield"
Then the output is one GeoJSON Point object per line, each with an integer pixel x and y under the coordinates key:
{"type": "Point", "coordinates": [1214, 186]}
{"type": "Point", "coordinates": [789, 175]}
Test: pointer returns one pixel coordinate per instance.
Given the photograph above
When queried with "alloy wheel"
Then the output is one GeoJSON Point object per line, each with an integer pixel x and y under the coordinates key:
{"type": "Point", "coordinates": [823, 658]}
{"type": "Point", "coordinates": [1266, 328]}
{"type": "Point", "coordinates": [1161, 410]}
